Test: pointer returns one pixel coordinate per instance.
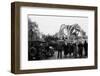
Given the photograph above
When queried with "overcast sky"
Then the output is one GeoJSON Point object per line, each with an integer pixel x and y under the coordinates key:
{"type": "Point", "coordinates": [51, 24]}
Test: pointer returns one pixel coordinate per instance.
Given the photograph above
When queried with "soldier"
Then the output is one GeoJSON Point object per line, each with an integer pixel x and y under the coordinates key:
{"type": "Point", "coordinates": [80, 49]}
{"type": "Point", "coordinates": [68, 48]}
{"type": "Point", "coordinates": [65, 49]}
{"type": "Point", "coordinates": [75, 50]}
{"type": "Point", "coordinates": [86, 48]}
{"type": "Point", "coordinates": [59, 48]}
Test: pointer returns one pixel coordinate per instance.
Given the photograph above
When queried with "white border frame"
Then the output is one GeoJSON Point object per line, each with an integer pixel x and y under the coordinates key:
{"type": "Point", "coordinates": [25, 64]}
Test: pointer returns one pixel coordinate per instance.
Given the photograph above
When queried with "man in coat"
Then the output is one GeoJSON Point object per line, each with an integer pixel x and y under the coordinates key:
{"type": "Point", "coordinates": [80, 49]}
{"type": "Point", "coordinates": [86, 48]}
{"type": "Point", "coordinates": [59, 48]}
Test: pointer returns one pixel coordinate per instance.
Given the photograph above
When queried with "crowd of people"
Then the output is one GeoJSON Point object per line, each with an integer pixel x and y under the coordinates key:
{"type": "Point", "coordinates": [44, 50]}
{"type": "Point", "coordinates": [75, 50]}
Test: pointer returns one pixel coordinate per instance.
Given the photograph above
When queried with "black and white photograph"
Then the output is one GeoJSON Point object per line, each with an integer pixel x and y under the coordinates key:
{"type": "Point", "coordinates": [52, 37]}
